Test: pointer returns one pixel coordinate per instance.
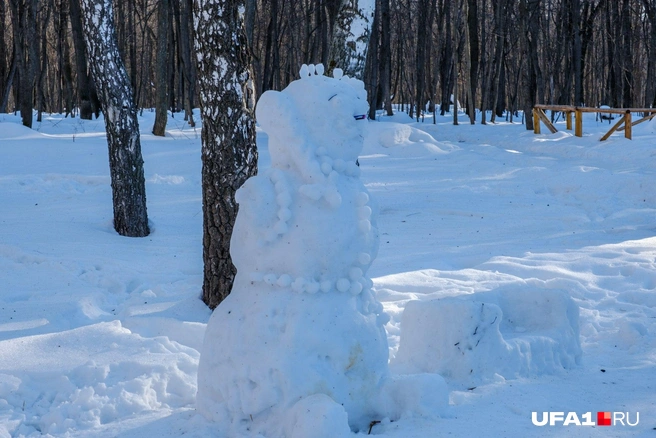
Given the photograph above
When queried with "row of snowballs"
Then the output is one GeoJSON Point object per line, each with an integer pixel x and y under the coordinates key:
{"type": "Point", "coordinates": [331, 168]}
{"type": "Point", "coordinates": [308, 70]}
{"type": "Point", "coordinates": [354, 284]}
{"type": "Point", "coordinates": [316, 192]}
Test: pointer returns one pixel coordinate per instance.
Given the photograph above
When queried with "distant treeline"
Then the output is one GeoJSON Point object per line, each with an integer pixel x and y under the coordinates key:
{"type": "Point", "coordinates": [492, 54]}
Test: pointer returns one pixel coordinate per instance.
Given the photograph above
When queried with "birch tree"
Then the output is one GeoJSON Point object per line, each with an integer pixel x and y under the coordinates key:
{"type": "Point", "coordinates": [115, 93]}
{"type": "Point", "coordinates": [229, 153]}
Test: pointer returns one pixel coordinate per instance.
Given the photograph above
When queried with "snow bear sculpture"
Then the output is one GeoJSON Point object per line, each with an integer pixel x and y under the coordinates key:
{"type": "Point", "coordinates": [301, 334]}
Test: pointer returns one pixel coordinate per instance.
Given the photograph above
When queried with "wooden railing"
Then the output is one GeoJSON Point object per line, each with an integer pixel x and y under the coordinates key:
{"type": "Point", "coordinates": [625, 123]}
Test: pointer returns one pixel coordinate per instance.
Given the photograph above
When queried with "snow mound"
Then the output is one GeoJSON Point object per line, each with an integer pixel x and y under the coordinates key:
{"type": "Point", "coordinates": [15, 131]}
{"type": "Point", "coordinates": [513, 331]}
{"type": "Point", "coordinates": [402, 141]}
{"type": "Point", "coordinates": [80, 384]}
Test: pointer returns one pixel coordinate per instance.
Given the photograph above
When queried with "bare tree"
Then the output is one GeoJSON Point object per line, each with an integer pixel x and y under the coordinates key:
{"type": "Point", "coordinates": [125, 161]}
{"type": "Point", "coordinates": [228, 137]}
{"type": "Point", "coordinates": [162, 68]}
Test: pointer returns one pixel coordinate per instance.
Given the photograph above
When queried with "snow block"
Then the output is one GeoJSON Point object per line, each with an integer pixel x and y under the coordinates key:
{"type": "Point", "coordinates": [512, 331]}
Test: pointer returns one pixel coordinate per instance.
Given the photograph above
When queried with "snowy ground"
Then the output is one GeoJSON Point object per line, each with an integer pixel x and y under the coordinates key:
{"type": "Point", "coordinates": [100, 334]}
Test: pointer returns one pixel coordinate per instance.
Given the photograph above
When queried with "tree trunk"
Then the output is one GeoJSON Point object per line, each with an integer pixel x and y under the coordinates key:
{"type": "Point", "coordinates": [385, 56]}
{"type": "Point", "coordinates": [125, 161]}
{"type": "Point", "coordinates": [162, 69]}
{"type": "Point", "coordinates": [473, 55]}
{"type": "Point", "coordinates": [26, 52]}
{"type": "Point", "coordinates": [189, 68]}
{"type": "Point", "coordinates": [4, 71]}
{"type": "Point", "coordinates": [229, 152]}
{"type": "Point", "coordinates": [372, 66]}
{"type": "Point", "coordinates": [86, 93]}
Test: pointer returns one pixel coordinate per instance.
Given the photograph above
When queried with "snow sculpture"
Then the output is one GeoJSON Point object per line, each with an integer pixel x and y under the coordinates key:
{"type": "Point", "coordinates": [301, 335]}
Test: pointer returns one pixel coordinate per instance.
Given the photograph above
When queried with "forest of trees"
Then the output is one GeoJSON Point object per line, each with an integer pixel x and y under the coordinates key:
{"type": "Point", "coordinates": [492, 54]}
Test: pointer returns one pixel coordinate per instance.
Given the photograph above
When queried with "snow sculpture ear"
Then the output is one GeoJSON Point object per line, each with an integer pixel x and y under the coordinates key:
{"type": "Point", "coordinates": [274, 111]}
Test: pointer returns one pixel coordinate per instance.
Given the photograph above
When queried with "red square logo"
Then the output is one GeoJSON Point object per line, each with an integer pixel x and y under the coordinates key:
{"type": "Point", "coordinates": [603, 418]}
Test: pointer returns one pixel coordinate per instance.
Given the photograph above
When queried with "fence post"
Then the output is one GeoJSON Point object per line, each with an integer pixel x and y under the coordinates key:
{"type": "Point", "coordinates": [568, 118]}
{"type": "Point", "coordinates": [627, 125]}
{"type": "Point", "coordinates": [536, 121]}
{"type": "Point", "coordinates": [578, 120]}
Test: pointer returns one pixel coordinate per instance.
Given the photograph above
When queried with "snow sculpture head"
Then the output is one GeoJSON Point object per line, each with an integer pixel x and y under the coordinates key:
{"type": "Point", "coordinates": [316, 115]}
{"type": "Point", "coordinates": [301, 326]}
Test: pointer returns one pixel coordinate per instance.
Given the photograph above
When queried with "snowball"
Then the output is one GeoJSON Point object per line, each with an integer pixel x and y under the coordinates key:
{"type": "Point", "coordinates": [304, 71]}
{"type": "Point", "coordinates": [317, 416]}
{"type": "Point", "coordinates": [276, 175]}
{"type": "Point", "coordinates": [281, 227]}
{"type": "Point", "coordinates": [364, 226]}
{"type": "Point", "coordinates": [333, 198]}
{"type": "Point", "coordinates": [284, 199]}
{"type": "Point", "coordinates": [312, 287]}
{"type": "Point", "coordinates": [326, 286]}
{"type": "Point", "coordinates": [362, 198]}
{"type": "Point", "coordinates": [319, 69]}
{"type": "Point", "coordinates": [355, 288]}
{"type": "Point", "coordinates": [343, 285]}
{"type": "Point", "coordinates": [364, 212]}
{"type": "Point", "coordinates": [270, 279]}
{"type": "Point", "coordinates": [338, 73]}
{"type": "Point", "coordinates": [281, 186]}
{"type": "Point", "coordinates": [284, 281]}
{"type": "Point", "coordinates": [326, 168]}
{"type": "Point", "coordinates": [311, 69]}
{"type": "Point", "coordinates": [284, 214]}
{"type": "Point", "coordinates": [352, 169]}
{"type": "Point", "coordinates": [339, 165]}
{"type": "Point", "coordinates": [271, 236]}
{"type": "Point", "coordinates": [364, 258]}
{"type": "Point", "coordinates": [355, 274]}
{"type": "Point", "coordinates": [298, 285]}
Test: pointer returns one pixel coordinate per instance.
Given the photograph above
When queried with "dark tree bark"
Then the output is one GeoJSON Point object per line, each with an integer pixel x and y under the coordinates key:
{"type": "Point", "coordinates": [446, 61]}
{"type": "Point", "coordinates": [385, 56]}
{"type": "Point", "coordinates": [65, 58]}
{"type": "Point", "coordinates": [4, 71]}
{"type": "Point", "coordinates": [27, 54]}
{"type": "Point", "coordinates": [229, 152]}
{"type": "Point", "coordinates": [86, 93]}
{"type": "Point", "coordinates": [162, 69]}
{"type": "Point", "coordinates": [189, 68]}
{"type": "Point", "coordinates": [529, 19]}
{"type": "Point", "coordinates": [474, 54]}
{"type": "Point", "coordinates": [372, 65]}
{"type": "Point", "coordinates": [423, 12]}
{"type": "Point", "coordinates": [650, 92]}
{"type": "Point", "coordinates": [125, 161]}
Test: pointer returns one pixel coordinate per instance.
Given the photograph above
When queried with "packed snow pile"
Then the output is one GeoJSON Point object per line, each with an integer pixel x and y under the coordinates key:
{"type": "Point", "coordinates": [402, 140]}
{"type": "Point", "coordinates": [299, 345]}
{"type": "Point", "coordinates": [517, 330]}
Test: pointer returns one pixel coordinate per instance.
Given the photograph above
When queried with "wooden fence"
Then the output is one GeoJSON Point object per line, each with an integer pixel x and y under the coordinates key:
{"type": "Point", "coordinates": [625, 123]}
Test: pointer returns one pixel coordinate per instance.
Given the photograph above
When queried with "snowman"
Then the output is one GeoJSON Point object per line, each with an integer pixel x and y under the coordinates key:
{"type": "Point", "coordinates": [299, 349]}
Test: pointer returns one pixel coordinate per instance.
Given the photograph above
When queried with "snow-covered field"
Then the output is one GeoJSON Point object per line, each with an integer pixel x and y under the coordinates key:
{"type": "Point", "coordinates": [100, 335]}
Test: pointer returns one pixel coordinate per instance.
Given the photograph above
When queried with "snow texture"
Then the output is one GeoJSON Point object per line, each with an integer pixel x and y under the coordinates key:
{"type": "Point", "coordinates": [302, 329]}
{"type": "Point", "coordinates": [100, 335]}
